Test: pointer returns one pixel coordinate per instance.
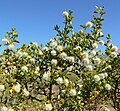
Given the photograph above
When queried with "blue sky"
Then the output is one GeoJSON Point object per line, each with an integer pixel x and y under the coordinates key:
{"type": "Point", "coordinates": [35, 19]}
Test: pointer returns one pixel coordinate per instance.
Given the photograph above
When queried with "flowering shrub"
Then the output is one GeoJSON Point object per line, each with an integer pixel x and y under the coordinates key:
{"type": "Point", "coordinates": [69, 74]}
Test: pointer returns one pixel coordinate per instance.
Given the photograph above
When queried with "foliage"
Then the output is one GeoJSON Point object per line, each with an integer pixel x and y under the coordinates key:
{"type": "Point", "coordinates": [68, 74]}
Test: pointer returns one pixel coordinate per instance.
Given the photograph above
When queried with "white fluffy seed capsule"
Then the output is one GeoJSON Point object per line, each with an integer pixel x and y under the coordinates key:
{"type": "Point", "coordinates": [96, 78]}
{"type": "Point", "coordinates": [4, 108]}
{"type": "Point", "coordinates": [63, 55]}
{"type": "Point", "coordinates": [53, 53]}
{"type": "Point", "coordinates": [53, 42]}
{"type": "Point", "coordinates": [107, 86]}
{"type": "Point", "coordinates": [59, 80]}
{"type": "Point", "coordinates": [71, 59]}
{"type": "Point", "coordinates": [93, 52]}
{"type": "Point", "coordinates": [40, 53]}
{"type": "Point", "coordinates": [66, 82]}
{"type": "Point", "coordinates": [96, 60]}
{"type": "Point", "coordinates": [102, 76]}
{"type": "Point", "coordinates": [59, 48]}
{"type": "Point", "coordinates": [114, 48]}
{"type": "Point", "coordinates": [54, 62]}
{"type": "Point", "coordinates": [89, 24]}
{"type": "Point", "coordinates": [48, 107]}
{"type": "Point", "coordinates": [2, 87]}
{"type": "Point", "coordinates": [24, 68]}
{"type": "Point", "coordinates": [45, 48]}
{"type": "Point", "coordinates": [114, 54]}
{"type": "Point", "coordinates": [86, 61]}
{"type": "Point", "coordinates": [95, 45]}
{"type": "Point", "coordinates": [26, 93]}
{"type": "Point", "coordinates": [72, 92]}
{"type": "Point", "coordinates": [5, 40]}
{"type": "Point", "coordinates": [32, 60]}
{"type": "Point", "coordinates": [17, 88]}
{"type": "Point", "coordinates": [78, 48]}
{"type": "Point", "coordinates": [89, 68]}
{"type": "Point", "coordinates": [70, 68]}
{"type": "Point", "coordinates": [11, 46]}
{"type": "Point", "coordinates": [105, 74]}
{"type": "Point", "coordinates": [84, 55]}
{"type": "Point", "coordinates": [65, 14]}
{"type": "Point", "coordinates": [100, 33]}
{"type": "Point", "coordinates": [46, 76]}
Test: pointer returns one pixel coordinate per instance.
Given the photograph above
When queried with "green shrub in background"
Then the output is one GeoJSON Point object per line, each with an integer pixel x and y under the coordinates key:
{"type": "Point", "coordinates": [69, 74]}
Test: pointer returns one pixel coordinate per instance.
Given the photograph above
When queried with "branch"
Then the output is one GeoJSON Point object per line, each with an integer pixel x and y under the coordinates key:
{"type": "Point", "coordinates": [35, 98]}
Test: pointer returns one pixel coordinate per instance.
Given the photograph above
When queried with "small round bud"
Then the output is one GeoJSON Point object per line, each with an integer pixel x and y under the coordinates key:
{"type": "Point", "coordinates": [81, 32]}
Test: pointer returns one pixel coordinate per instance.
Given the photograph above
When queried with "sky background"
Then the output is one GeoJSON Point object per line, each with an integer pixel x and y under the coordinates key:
{"type": "Point", "coordinates": [35, 19]}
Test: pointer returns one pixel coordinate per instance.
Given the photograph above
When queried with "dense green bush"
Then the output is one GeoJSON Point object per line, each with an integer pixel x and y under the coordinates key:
{"type": "Point", "coordinates": [69, 74]}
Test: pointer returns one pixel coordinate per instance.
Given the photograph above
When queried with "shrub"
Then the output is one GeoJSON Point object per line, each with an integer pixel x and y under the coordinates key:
{"type": "Point", "coordinates": [69, 74]}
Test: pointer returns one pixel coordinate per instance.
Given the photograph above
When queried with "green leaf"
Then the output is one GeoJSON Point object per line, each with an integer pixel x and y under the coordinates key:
{"type": "Point", "coordinates": [83, 26]}
{"type": "Point", "coordinates": [13, 29]}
